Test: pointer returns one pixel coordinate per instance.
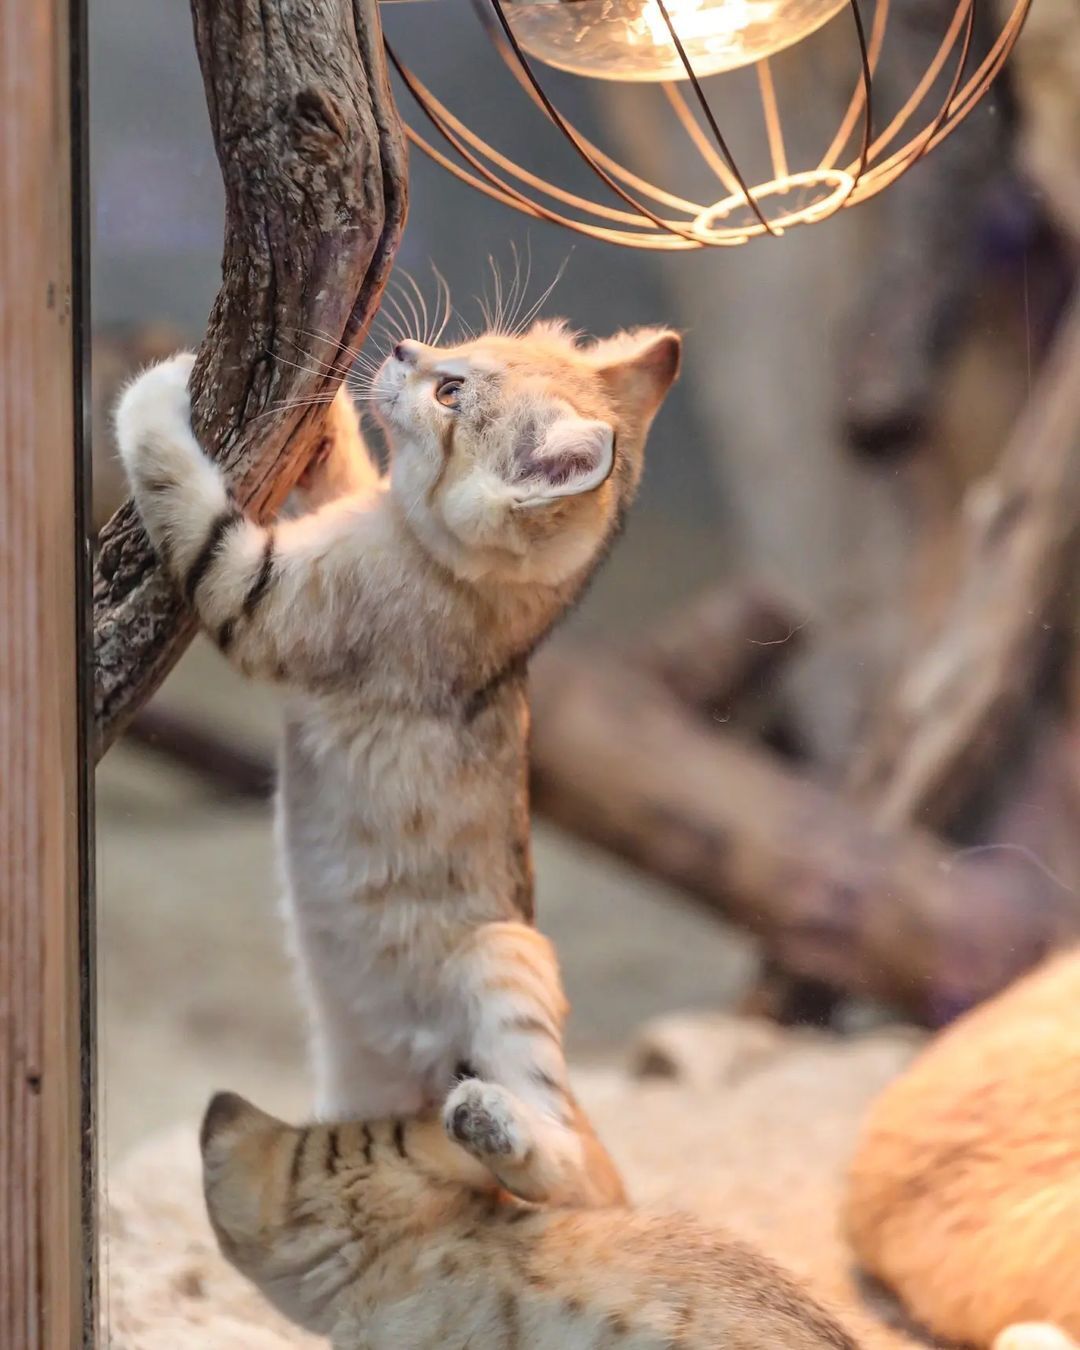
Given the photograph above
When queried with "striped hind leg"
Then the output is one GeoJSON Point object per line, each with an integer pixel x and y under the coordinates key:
{"type": "Point", "coordinates": [514, 1110]}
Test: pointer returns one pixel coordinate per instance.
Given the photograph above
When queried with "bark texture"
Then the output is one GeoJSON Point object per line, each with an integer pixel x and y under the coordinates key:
{"type": "Point", "coordinates": [314, 164]}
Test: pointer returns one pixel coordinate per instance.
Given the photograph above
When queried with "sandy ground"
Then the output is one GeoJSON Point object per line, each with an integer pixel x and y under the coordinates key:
{"type": "Point", "coordinates": [751, 1131]}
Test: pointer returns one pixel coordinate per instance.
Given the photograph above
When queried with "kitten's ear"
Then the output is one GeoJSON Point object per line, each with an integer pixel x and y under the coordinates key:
{"type": "Point", "coordinates": [574, 455]}
{"type": "Point", "coordinates": [229, 1113]}
{"type": "Point", "coordinates": [639, 367]}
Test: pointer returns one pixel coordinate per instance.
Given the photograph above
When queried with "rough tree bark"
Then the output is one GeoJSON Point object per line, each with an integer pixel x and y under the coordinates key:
{"type": "Point", "coordinates": [314, 163]}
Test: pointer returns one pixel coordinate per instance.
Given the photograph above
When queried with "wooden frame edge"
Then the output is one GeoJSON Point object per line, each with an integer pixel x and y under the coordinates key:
{"type": "Point", "coordinates": [47, 1184]}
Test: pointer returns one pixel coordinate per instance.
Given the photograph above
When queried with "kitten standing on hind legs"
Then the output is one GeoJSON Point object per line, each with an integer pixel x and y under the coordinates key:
{"type": "Point", "coordinates": [400, 615]}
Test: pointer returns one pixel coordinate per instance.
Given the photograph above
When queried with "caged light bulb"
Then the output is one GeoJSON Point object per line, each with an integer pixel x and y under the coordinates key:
{"type": "Point", "coordinates": [629, 40]}
{"type": "Point", "coordinates": [645, 40]}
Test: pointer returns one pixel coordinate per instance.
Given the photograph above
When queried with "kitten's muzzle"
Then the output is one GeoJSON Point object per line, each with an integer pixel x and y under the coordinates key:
{"type": "Point", "coordinates": [408, 353]}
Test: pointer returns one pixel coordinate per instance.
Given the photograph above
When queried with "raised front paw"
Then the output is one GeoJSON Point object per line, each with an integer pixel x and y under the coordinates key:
{"type": "Point", "coordinates": [341, 465]}
{"type": "Point", "coordinates": [154, 409]}
{"type": "Point", "coordinates": [485, 1120]}
{"type": "Point", "coordinates": [176, 488]}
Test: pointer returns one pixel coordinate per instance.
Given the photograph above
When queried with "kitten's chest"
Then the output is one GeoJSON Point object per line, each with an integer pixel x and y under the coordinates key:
{"type": "Point", "coordinates": [388, 963]}
{"type": "Point", "coordinates": [382, 778]}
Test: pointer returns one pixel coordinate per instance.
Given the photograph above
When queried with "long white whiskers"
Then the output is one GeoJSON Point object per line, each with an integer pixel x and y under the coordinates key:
{"type": "Point", "coordinates": [447, 306]}
{"type": "Point", "coordinates": [406, 298]}
{"type": "Point", "coordinates": [319, 368]}
{"type": "Point", "coordinates": [498, 298]}
{"type": "Point", "coordinates": [354, 356]}
{"type": "Point", "coordinates": [522, 286]}
{"type": "Point", "coordinates": [426, 339]}
{"type": "Point", "coordinates": [401, 322]}
{"type": "Point", "coordinates": [535, 308]}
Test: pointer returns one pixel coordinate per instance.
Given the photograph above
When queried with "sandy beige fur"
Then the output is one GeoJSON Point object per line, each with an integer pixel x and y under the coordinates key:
{"type": "Point", "coordinates": [400, 614]}
{"type": "Point", "coordinates": [386, 1235]}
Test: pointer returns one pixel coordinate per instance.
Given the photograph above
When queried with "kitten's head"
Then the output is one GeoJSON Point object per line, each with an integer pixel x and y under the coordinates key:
{"type": "Point", "coordinates": [297, 1210]}
{"type": "Point", "coordinates": [277, 1217]}
{"type": "Point", "coordinates": [513, 455]}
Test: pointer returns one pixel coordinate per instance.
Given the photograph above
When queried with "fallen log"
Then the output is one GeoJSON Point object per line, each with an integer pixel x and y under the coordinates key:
{"type": "Point", "coordinates": [723, 647]}
{"type": "Point", "coordinates": [716, 652]}
{"type": "Point", "coordinates": [888, 914]}
{"type": "Point", "coordinates": [224, 762]}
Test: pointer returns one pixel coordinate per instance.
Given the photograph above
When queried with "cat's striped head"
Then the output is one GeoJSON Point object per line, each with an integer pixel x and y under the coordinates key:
{"type": "Point", "coordinates": [276, 1207]}
{"type": "Point", "coordinates": [303, 1211]}
{"type": "Point", "coordinates": [513, 454]}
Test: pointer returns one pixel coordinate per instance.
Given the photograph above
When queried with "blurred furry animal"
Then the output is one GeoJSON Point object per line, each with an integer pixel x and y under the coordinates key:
{"type": "Point", "coordinates": [401, 614]}
{"type": "Point", "coordinates": [386, 1235]}
{"type": "Point", "coordinates": [965, 1189]}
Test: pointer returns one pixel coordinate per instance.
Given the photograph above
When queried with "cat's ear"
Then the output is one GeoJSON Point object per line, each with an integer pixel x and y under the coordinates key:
{"type": "Point", "coordinates": [230, 1114]}
{"type": "Point", "coordinates": [639, 367]}
{"type": "Point", "coordinates": [573, 455]}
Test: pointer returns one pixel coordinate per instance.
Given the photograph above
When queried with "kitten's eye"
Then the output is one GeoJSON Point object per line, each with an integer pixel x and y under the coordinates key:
{"type": "Point", "coordinates": [448, 391]}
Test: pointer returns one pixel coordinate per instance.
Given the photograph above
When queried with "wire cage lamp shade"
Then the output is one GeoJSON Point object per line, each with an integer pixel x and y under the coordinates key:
{"type": "Point", "coordinates": [678, 45]}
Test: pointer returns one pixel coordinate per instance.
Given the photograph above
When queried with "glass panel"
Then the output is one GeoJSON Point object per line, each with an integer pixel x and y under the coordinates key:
{"type": "Point", "coordinates": [803, 785]}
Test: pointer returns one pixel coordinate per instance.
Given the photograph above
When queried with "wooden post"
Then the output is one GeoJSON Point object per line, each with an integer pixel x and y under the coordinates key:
{"type": "Point", "coordinates": [45, 1249]}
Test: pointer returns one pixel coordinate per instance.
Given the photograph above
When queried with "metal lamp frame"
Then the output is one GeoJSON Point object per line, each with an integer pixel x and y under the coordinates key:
{"type": "Point", "coordinates": [859, 162]}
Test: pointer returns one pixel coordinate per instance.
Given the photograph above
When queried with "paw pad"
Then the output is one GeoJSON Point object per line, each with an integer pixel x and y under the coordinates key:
{"type": "Point", "coordinates": [477, 1117]}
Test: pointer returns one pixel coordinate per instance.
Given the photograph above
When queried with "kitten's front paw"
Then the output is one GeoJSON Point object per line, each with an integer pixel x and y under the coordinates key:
{"type": "Point", "coordinates": [176, 488]}
{"type": "Point", "coordinates": [156, 406]}
{"type": "Point", "coordinates": [483, 1118]}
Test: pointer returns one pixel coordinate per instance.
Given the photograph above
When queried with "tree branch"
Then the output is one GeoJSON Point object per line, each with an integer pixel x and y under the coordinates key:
{"type": "Point", "coordinates": [890, 914]}
{"type": "Point", "coordinates": [912, 305]}
{"type": "Point", "coordinates": [936, 733]}
{"type": "Point", "coordinates": [723, 647]}
{"type": "Point", "coordinates": [314, 164]}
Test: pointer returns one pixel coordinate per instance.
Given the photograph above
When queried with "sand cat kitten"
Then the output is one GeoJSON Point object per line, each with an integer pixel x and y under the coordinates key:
{"type": "Point", "coordinates": [401, 615]}
{"type": "Point", "coordinates": [381, 1236]}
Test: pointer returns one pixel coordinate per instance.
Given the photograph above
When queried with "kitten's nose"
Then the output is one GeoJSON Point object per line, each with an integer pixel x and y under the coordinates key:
{"type": "Point", "coordinates": [408, 353]}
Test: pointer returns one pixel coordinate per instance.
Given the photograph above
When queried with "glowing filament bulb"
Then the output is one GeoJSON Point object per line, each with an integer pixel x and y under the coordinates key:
{"type": "Point", "coordinates": [630, 40]}
{"type": "Point", "coordinates": [691, 21]}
